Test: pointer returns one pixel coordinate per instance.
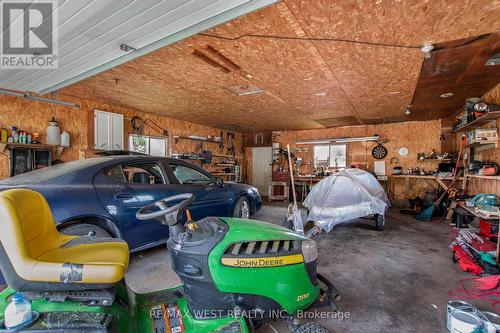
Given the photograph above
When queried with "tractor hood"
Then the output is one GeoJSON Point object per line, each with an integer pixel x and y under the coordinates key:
{"type": "Point", "coordinates": [245, 229]}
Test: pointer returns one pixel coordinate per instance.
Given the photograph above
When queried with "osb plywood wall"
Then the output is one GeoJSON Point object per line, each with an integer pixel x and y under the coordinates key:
{"type": "Point", "coordinates": [78, 122]}
{"type": "Point", "coordinates": [416, 136]}
{"type": "Point", "coordinates": [34, 116]}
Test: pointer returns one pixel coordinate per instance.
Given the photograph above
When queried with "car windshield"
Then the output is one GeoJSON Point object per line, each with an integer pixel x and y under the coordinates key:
{"type": "Point", "coordinates": [54, 171]}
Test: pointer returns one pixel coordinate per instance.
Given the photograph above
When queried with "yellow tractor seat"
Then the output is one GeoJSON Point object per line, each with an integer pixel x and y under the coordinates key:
{"type": "Point", "coordinates": [34, 256]}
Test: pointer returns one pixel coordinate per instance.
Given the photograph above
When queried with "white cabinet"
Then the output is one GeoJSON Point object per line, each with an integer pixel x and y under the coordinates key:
{"type": "Point", "coordinates": [108, 130]}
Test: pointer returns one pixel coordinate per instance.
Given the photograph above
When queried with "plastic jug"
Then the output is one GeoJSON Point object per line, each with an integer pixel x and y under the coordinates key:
{"type": "Point", "coordinates": [53, 133]}
{"type": "Point", "coordinates": [65, 139]}
{"type": "Point", "coordinates": [18, 312]}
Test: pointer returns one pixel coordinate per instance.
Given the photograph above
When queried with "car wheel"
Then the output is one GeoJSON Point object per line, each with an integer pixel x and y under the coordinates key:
{"type": "Point", "coordinates": [242, 208]}
{"type": "Point", "coordinates": [85, 229]}
{"type": "Point", "coordinates": [379, 222]}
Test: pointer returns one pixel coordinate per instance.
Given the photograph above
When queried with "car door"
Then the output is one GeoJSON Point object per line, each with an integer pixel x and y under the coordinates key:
{"type": "Point", "coordinates": [211, 199]}
{"type": "Point", "coordinates": [125, 188]}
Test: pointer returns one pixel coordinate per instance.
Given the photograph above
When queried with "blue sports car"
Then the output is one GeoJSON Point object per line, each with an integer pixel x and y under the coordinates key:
{"type": "Point", "coordinates": [101, 195]}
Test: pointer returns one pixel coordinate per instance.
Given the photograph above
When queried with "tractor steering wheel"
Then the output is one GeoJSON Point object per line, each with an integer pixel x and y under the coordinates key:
{"type": "Point", "coordinates": [161, 208]}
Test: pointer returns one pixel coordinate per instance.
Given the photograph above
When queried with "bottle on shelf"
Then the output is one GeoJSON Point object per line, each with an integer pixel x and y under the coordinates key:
{"type": "Point", "coordinates": [53, 133]}
{"type": "Point", "coordinates": [4, 135]}
{"type": "Point", "coordinates": [65, 139]}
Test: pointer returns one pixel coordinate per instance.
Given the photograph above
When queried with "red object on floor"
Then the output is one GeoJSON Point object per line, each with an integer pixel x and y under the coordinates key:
{"type": "Point", "coordinates": [465, 262]}
{"type": "Point", "coordinates": [485, 288]}
{"type": "Point", "coordinates": [487, 246]}
{"type": "Point", "coordinates": [487, 229]}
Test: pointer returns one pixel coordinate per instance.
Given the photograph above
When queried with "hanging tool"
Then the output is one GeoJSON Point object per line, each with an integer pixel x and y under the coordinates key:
{"type": "Point", "coordinates": [230, 143]}
{"type": "Point", "coordinates": [293, 214]}
{"type": "Point", "coordinates": [137, 124]}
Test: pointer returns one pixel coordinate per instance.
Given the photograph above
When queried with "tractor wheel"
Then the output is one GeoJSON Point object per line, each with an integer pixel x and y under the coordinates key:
{"type": "Point", "coordinates": [85, 229]}
{"type": "Point", "coordinates": [379, 222]}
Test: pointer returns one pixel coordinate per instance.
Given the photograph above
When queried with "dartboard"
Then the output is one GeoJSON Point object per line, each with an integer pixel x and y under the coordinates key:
{"type": "Point", "coordinates": [379, 152]}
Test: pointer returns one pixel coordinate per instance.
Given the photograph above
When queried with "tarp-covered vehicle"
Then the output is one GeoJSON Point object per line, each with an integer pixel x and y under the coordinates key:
{"type": "Point", "coordinates": [346, 196]}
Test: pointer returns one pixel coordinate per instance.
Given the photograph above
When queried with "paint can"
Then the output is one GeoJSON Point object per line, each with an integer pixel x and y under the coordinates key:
{"type": "Point", "coordinates": [465, 320]}
{"type": "Point", "coordinates": [492, 322]}
{"type": "Point", "coordinates": [452, 305]}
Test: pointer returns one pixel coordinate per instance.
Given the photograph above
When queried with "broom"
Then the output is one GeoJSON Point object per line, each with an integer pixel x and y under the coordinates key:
{"type": "Point", "coordinates": [426, 214]}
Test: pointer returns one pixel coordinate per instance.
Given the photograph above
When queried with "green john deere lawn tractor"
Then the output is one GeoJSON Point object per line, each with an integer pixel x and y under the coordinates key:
{"type": "Point", "coordinates": [236, 273]}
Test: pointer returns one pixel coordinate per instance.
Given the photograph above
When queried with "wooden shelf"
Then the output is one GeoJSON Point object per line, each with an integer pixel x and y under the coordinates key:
{"type": "Point", "coordinates": [223, 173]}
{"type": "Point", "coordinates": [434, 160]}
{"type": "Point", "coordinates": [11, 145]}
{"type": "Point", "coordinates": [176, 138]}
{"type": "Point", "coordinates": [424, 177]}
{"type": "Point", "coordinates": [492, 115]}
{"type": "Point", "coordinates": [222, 155]}
{"type": "Point", "coordinates": [484, 177]}
{"type": "Point", "coordinates": [483, 146]}
{"type": "Point", "coordinates": [223, 165]}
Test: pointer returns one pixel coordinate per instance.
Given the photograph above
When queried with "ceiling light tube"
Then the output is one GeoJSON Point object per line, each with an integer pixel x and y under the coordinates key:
{"type": "Point", "coordinates": [357, 139]}
{"type": "Point", "coordinates": [338, 140]}
{"type": "Point", "coordinates": [38, 99]}
{"type": "Point", "coordinates": [314, 142]}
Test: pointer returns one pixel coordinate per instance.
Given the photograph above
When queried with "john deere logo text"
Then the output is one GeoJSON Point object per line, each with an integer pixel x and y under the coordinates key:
{"type": "Point", "coordinates": [29, 34]}
{"type": "Point", "coordinates": [263, 262]}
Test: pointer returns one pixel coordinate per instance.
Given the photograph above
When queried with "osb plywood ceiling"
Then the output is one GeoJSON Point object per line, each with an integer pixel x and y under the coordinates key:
{"type": "Point", "coordinates": [302, 64]}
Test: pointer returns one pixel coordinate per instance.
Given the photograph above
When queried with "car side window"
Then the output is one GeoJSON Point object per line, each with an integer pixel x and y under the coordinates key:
{"type": "Point", "coordinates": [144, 173]}
{"type": "Point", "coordinates": [188, 175]}
{"type": "Point", "coordinates": [116, 173]}
{"type": "Point", "coordinates": [137, 173]}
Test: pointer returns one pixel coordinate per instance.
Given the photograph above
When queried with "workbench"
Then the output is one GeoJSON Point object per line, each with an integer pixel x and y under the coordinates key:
{"type": "Point", "coordinates": [304, 184]}
{"type": "Point", "coordinates": [408, 178]}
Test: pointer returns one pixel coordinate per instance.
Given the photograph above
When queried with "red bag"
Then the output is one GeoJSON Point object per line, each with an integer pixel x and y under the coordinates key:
{"type": "Point", "coordinates": [465, 262]}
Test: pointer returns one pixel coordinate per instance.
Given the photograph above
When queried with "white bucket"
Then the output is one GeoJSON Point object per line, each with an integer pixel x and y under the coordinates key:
{"type": "Point", "coordinates": [492, 322]}
{"type": "Point", "coordinates": [464, 320]}
{"type": "Point", "coordinates": [452, 305]}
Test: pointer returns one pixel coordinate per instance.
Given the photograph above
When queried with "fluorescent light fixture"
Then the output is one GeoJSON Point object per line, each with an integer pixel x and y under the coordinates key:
{"type": "Point", "coordinates": [338, 140]}
{"type": "Point", "coordinates": [26, 95]}
{"type": "Point", "coordinates": [358, 139]}
{"type": "Point", "coordinates": [446, 95]}
{"type": "Point", "coordinates": [320, 94]}
{"type": "Point", "coordinates": [493, 61]}
{"type": "Point", "coordinates": [314, 142]}
{"type": "Point", "coordinates": [245, 89]}
{"type": "Point", "coordinates": [251, 92]}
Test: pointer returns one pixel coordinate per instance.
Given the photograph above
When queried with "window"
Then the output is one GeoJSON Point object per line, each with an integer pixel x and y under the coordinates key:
{"type": "Point", "coordinates": [321, 156]}
{"type": "Point", "coordinates": [187, 175]}
{"type": "Point", "coordinates": [151, 145]}
{"type": "Point", "coordinates": [334, 156]}
{"type": "Point", "coordinates": [115, 173]}
{"type": "Point", "coordinates": [140, 173]}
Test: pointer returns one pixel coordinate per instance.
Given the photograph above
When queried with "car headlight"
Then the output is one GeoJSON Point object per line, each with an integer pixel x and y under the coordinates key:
{"type": "Point", "coordinates": [309, 250]}
{"type": "Point", "coordinates": [256, 190]}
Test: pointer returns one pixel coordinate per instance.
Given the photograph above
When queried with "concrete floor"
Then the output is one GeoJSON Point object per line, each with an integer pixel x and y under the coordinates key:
{"type": "Point", "coordinates": [391, 281]}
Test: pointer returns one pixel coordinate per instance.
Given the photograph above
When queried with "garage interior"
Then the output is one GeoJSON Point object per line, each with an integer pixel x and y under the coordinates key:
{"type": "Point", "coordinates": [407, 91]}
